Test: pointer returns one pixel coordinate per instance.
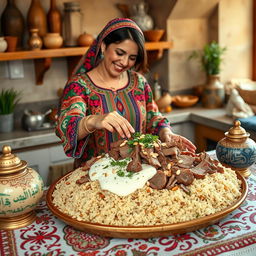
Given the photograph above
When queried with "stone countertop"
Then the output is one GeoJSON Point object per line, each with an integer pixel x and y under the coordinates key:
{"type": "Point", "coordinates": [216, 118]}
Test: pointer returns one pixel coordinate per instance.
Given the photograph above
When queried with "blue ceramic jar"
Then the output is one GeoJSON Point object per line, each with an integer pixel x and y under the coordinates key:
{"type": "Point", "coordinates": [237, 150]}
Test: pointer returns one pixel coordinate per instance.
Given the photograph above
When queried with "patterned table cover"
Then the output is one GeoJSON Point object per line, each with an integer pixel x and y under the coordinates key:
{"type": "Point", "coordinates": [234, 235]}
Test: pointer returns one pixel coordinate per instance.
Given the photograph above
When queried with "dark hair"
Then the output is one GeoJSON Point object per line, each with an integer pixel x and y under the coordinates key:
{"type": "Point", "coordinates": [122, 34]}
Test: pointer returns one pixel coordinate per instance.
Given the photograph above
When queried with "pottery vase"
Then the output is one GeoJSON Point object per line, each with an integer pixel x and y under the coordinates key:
{"type": "Point", "coordinates": [237, 150]}
{"type": "Point", "coordinates": [3, 44]}
{"type": "Point", "coordinates": [21, 189]}
{"type": "Point", "coordinates": [52, 41]}
{"type": "Point", "coordinates": [12, 42]}
{"type": "Point", "coordinates": [36, 18]}
{"type": "Point", "coordinates": [12, 22]}
{"type": "Point", "coordinates": [140, 16]}
{"type": "Point", "coordinates": [35, 42]}
{"type": "Point", "coordinates": [54, 19]}
{"type": "Point", "coordinates": [213, 94]}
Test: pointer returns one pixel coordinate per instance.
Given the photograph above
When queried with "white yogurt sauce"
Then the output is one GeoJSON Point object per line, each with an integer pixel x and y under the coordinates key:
{"type": "Point", "coordinates": [106, 174]}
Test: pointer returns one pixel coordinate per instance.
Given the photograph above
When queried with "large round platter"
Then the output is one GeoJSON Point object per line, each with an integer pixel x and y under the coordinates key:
{"type": "Point", "coordinates": [143, 231]}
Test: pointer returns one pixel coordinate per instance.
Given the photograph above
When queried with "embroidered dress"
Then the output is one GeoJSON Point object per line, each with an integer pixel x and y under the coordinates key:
{"type": "Point", "coordinates": [81, 97]}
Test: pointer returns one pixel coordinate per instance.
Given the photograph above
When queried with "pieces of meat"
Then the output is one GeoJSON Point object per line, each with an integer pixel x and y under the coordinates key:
{"type": "Point", "coordinates": [135, 164]}
{"type": "Point", "coordinates": [158, 181]}
{"type": "Point", "coordinates": [186, 161]}
{"type": "Point", "coordinates": [172, 151]}
{"type": "Point", "coordinates": [150, 156]}
{"type": "Point", "coordinates": [185, 177]}
{"type": "Point", "coordinates": [90, 162]}
{"type": "Point", "coordinates": [83, 179]}
{"type": "Point", "coordinates": [171, 182]}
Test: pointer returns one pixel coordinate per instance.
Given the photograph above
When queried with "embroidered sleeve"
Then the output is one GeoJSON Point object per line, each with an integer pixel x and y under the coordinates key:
{"type": "Point", "coordinates": [72, 109]}
{"type": "Point", "coordinates": [155, 120]}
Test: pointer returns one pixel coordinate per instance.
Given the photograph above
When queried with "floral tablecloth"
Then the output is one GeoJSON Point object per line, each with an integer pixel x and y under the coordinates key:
{"type": "Point", "coordinates": [234, 235]}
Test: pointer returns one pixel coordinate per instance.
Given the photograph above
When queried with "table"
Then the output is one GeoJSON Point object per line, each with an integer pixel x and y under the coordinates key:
{"type": "Point", "coordinates": [234, 235]}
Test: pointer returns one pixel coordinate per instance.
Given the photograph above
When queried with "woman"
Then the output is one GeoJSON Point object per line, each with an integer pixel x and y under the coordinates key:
{"type": "Point", "coordinates": [106, 99]}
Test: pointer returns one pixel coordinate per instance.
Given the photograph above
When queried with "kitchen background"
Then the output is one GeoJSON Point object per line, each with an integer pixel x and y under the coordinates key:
{"type": "Point", "coordinates": [190, 24]}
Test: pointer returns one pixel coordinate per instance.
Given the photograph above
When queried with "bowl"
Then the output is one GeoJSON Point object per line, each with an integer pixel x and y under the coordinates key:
{"type": "Point", "coordinates": [184, 101]}
{"type": "Point", "coordinates": [153, 35]}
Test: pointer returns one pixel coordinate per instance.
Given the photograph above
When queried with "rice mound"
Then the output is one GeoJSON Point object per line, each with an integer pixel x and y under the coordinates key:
{"type": "Point", "coordinates": [146, 206]}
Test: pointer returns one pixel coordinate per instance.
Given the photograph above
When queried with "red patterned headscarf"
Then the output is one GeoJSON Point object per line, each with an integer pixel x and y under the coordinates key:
{"type": "Point", "coordinates": [91, 57]}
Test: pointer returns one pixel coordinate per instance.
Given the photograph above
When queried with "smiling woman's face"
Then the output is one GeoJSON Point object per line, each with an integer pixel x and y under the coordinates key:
{"type": "Point", "coordinates": [119, 57]}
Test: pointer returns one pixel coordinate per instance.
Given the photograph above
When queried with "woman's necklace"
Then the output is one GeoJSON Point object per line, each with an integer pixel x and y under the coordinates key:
{"type": "Point", "coordinates": [109, 84]}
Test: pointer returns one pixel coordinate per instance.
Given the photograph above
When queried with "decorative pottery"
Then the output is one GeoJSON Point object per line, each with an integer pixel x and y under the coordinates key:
{"type": "Point", "coordinates": [6, 123]}
{"type": "Point", "coordinates": [237, 150]}
{"type": "Point", "coordinates": [164, 101]}
{"type": "Point", "coordinates": [140, 16]}
{"type": "Point", "coordinates": [3, 44]}
{"type": "Point", "coordinates": [53, 40]}
{"type": "Point", "coordinates": [72, 23]}
{"type": "Point", "coordinates": [35, 42]}
{"type": "Point", "coordinates": [153, 35]}
{"type": "Point", "coordinates": [12, 22]}
{"type": "Point", "coordinates": [85, 39]}
{"type": "Point", "coordinates": [54, 19]}
{"type": "Point", "coordinates": [184, 101]}
{"type": "Point", "coordinates": [21, 188]}
{"type": "Point", "coordinates": [11, 43]}
{"type": "Point", "coordinates": [213, 94]}
{"type": "Point", "coordinates": [36, 18]}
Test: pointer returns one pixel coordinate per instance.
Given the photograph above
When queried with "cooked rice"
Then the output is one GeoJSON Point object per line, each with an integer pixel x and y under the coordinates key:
{"type": "Point", "coordinates": [146, 206]}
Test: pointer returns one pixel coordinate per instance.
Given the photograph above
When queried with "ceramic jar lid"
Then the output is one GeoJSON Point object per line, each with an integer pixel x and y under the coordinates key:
{"type": "Point", "coordinates": [237, 132]}
{"type": "Point", "coordinates": [10, 163]}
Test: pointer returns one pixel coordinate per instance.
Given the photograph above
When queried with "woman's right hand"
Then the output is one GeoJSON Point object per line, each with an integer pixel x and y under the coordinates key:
{"type": "Point", "coordinates": [111, 121]}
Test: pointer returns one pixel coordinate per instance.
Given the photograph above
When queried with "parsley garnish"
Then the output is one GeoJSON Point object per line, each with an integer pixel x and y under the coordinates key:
{"type": "Point", "coordinates": [147, 140]}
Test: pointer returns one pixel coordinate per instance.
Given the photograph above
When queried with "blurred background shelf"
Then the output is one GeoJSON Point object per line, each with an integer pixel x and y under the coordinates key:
{"type": "Point", "coordinates": [43, 58]}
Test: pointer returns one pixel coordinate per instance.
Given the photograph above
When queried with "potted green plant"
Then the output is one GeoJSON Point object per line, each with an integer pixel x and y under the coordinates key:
{"type": "Point", "coordinates": [9, 98]}
{"type": "Point", "coordinates": [211, 59]}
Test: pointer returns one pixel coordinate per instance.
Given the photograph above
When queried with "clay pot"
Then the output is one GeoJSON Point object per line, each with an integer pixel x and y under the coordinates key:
{"type": "Point", "coordinates": [21, 189]}
{"type": "Point", "coordinates": [11, 43]}
{"type": "Point", "coordinates": [53, 40]}
{"type": "Point", "coordinates": [35, 42]}
{"type": "Point", "coordinates": [36, 18]}
{"type": "Point", "coordinates": [3, 44]}
{"type": "Point", "coordinates": [54, 19]}
{"type": "Point", "coordinates": [85, 39]}
{"type": "Point", "coordinates": [12, 22]}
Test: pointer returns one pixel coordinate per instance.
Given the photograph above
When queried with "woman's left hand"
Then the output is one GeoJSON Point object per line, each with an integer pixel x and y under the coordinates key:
{"type": "Point", "coordinates": [166, 135]}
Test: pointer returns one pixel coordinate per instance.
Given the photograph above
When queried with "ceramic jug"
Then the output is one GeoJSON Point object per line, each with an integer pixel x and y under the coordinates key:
{"type": "Point", "coordinates": [140, 16]}
{"type": "Point", "coordinates": [21, 189]}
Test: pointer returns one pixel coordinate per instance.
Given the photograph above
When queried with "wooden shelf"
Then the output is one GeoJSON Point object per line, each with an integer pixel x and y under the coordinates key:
{"type": "Point", "coordinates": [42, 58]}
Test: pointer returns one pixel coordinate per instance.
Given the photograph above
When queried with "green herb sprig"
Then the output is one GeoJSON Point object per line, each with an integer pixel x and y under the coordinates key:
{"type": "Point", "coordinates": [147, 140]}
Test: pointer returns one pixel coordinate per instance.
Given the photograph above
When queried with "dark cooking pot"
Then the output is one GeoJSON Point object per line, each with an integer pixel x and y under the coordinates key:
{"type": "Point", "coordinates": [32, 120]}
